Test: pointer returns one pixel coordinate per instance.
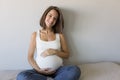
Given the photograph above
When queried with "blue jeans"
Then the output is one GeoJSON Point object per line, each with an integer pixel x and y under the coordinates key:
{"type": "Point", "coordinates": [71, 72]}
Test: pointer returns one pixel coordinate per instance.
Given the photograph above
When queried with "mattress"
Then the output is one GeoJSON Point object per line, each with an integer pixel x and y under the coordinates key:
{"type": "Point", "coordinates": [9, 74]}
{"type": "Point", "coordinates": [90, 71]}
{"type": "Point", "coordinates": [100, 71]}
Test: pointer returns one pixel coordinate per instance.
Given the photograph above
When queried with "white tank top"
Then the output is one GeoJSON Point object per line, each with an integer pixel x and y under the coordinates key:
{"type": "Point", "coordinates": [52, 61]}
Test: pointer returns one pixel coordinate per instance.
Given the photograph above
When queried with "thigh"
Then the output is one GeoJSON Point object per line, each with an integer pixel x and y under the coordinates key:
{"type": "Point", "coordinates": [30, 75]}
{"type": "Point", "coordinates": [71, 72]}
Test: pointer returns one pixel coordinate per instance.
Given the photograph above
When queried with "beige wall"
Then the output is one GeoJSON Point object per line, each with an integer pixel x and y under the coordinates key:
{"type": "Point", "coordinates": [92, 29]}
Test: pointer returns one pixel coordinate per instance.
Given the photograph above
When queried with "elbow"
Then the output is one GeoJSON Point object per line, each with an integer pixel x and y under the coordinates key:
{"type": "Point", "coordinates": [67, 55]}
{"type": "Point", "coordinates": [30, 58]}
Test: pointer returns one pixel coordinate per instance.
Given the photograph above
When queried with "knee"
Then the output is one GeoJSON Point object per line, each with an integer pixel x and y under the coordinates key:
{"type": "Point", "coordinates": [22, 76]}
{"type": "Point", "coordinates": [75, 70]}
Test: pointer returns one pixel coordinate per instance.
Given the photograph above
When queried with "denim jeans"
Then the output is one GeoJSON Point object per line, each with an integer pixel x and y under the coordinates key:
{"type": "Point", "coordinates": [70, 72]}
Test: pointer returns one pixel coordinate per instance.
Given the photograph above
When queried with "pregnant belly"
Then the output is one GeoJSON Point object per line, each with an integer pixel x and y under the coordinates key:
{"type": "Point", "coordinates": [53, 62]}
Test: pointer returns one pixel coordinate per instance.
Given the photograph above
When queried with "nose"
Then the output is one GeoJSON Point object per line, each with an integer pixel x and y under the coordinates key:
{"type": "Point", "coordinates": [51, 20]}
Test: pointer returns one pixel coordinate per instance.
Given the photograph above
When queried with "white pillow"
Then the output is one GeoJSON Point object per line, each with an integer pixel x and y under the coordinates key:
{"type": "Point", "coordinates": [53, 62]}
{"type": "Point", "coordinates": [100, 71]}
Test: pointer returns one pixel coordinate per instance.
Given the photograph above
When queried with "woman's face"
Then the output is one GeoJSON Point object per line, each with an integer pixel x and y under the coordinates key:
{"type": "Point", "coordinates": [51, 18]}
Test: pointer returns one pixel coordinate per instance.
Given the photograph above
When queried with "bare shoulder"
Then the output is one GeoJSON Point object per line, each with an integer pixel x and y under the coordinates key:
{"type": "Point", "coordinates": [33, 36]}
{"type": "Point", "coordinates": [62, 37]}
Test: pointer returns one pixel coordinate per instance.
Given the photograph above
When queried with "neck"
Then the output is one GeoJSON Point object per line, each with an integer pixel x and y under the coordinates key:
{"type": "Point", "coordinates": [47, 30]}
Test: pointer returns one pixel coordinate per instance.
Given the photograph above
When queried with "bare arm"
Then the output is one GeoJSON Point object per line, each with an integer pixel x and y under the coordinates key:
{"type": "Point", "coordinates": [64, 53]}
{"type": "Point", "coordinates": [31, 50]}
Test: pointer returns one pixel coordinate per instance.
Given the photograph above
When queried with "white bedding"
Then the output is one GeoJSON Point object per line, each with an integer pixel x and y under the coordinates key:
{"type": "Point", "coordinates": [100, 71]}
{"type": "Point", "coordinates": [91, 71]}
{"type": "Point", "coordinates": [9, 74]}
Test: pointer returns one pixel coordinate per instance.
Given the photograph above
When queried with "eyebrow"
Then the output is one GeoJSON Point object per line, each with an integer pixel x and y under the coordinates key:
{"type": "Point", "coordinates": [55, 16]}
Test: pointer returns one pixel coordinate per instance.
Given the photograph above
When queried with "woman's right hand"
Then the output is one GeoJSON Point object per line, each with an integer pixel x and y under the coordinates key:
{"type": "Point", "coordinates": [46, 71]}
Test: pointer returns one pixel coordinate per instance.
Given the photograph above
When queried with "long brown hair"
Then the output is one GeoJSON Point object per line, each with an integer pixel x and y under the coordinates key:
{"type": "Point", "coordinates": [59, 25]}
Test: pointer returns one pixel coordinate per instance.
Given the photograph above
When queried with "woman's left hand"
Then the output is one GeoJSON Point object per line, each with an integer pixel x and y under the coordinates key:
{"type": "Point", "coordinates": [47, 71]}
{"type": "Point", "coordinates": [49, 52]}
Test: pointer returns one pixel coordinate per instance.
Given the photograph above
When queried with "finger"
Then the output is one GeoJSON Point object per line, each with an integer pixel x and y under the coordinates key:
{"type": "Point", "coordinates": [46, 69]}
{"type": "Point", "coordinates": [42, 55]}
{"type": "Point", "coordinates": [51, 71]}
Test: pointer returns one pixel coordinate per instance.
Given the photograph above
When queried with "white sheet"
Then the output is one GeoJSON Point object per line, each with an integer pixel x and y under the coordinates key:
{"type": "Point", "coordinates": [100, 71]}
{"type": "Point", "coordinates": [91, 71]}
{"type": "Point", "coordinates": [9, 74]}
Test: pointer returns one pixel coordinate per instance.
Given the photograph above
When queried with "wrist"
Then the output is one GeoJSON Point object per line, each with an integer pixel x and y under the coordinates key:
{"type": "Point", "coordinates": [56, 51]}
{"type": "Point", "coordinates": [48, 54]}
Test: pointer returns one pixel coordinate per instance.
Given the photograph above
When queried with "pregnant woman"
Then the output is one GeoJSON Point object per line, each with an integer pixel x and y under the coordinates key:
{"type": "Point", "coordinates": [51, 47]}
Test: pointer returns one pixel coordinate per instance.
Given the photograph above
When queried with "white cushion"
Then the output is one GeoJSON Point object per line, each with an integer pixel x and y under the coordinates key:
{"type": "Point", "coordinates": [100, 71]}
